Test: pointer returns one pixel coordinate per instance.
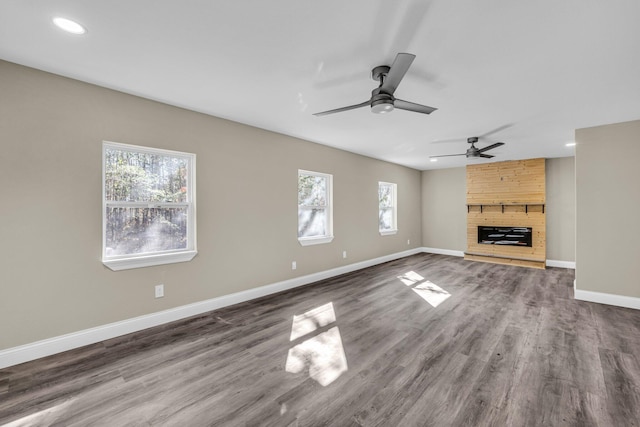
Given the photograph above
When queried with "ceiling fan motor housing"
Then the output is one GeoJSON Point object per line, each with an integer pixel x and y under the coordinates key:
{"type": "Point", "coordinates": [472, 151]}
{"type": "Point", "coordinates": [380, 72]}
{"type": "Point", "coordinates": [381, 102]}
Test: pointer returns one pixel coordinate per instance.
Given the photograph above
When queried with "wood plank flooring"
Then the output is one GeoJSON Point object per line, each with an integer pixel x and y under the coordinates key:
{"type": "Point", "coordinates": [427, 340]}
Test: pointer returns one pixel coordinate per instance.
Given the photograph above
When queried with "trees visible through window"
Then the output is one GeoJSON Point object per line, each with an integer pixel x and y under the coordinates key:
{"type": "Point", "coordinates": [387, 211]}
{"type": "Point", "coordinates": [314, 207]}
{"type": "Point", "coordinates": [149, 208]}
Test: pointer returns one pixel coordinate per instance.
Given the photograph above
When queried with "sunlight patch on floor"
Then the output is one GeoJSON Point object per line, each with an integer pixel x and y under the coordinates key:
{"type": "Point", "coordinates": [311, 320]}
{"type": "Point", "coordinates": [322, 353]}
{"type": "Point", "coordinates": [431, 293]}
{"type": "Point", "coordinates": [410, 278]}
{"type": "Point", "coordinates": [428, 291]}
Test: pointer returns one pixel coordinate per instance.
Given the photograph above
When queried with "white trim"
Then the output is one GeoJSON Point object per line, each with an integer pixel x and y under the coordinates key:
{"type": "Point", "coordinates": [549, 262]}
{"type": "Point", "coordinates": [394, 208]}
{"type": "Point", "coordinates": [561, 264]}
{"type": "Point", "coordinates": [148, 261]}
{"type": "Point", "coordinates": [609, 299]}
{"type": "Point", "coordinates": [47, 347]}
{"type": "Point", "coordinates": [308, 241]}
{"type": "Point", "coordinates": [146, 149]}
{"type": "Point", "coordinates": [328, 207]}
{"type": "Point", "coordinates": [450, 252]}
{"type": "Point", "coordinates": [129, 261]}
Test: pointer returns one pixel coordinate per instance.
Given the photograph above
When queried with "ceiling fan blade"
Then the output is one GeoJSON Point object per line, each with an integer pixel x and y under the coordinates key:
{"type": "Point", "coordinates": [338, 110]}
{"type": "Point", "coordinates": [446, 141]}
{"type": "Point", "coordinates": [410, 106]}
{"type": "Point", "coordinates": [449, 155]}
{"type": "Point", "coordinates": [496, 130]}
{"type": "Point", "coordinates": [490, 147]}
{"type": "Point", "coordinates": [399, 68]}
{"type": "Point", "coordinates": [486, 156]}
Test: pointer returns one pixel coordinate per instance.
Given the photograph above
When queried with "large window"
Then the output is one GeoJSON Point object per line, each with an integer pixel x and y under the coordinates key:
{"type": "Point", "coordinates": [387, 212]}
{"type": "Point", "coordinates": [148, 206]}
{"type": "Point", "coordinates": [314, 208]}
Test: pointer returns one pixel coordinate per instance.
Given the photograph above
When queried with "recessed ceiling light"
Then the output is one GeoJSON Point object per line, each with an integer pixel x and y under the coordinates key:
{"type": "Point", "coordinates": [570, 144]}
{"type": "Point", "coordinates": [69, 26]}
{"type": "Point", "coordinates": [433, 160]}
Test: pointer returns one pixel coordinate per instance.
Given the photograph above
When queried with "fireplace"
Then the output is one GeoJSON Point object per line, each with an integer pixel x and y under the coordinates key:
{"type": "Point", "coordinates": [505, 236]}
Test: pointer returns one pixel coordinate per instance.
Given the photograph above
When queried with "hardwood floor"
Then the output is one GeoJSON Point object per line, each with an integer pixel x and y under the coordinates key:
{"type": "Point", "coordinates": [428, 340]}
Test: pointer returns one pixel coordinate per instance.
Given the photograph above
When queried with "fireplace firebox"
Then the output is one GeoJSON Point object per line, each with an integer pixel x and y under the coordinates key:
{"type": "Point", "coordinates": [508, 236]}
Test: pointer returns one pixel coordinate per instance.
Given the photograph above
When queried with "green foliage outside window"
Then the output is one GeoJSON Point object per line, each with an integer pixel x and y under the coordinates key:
{"type": "Point", "coordinates": [140, 192]}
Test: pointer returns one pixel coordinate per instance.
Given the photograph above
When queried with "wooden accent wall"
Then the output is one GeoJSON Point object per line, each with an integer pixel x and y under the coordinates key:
{"type": "Point", "coordinates": [507, 194]}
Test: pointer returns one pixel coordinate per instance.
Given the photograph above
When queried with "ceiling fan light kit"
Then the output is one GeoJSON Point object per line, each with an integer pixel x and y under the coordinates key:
{"type": "Point", "coordinates": [381, 106]}
{"type": "Point", "coordinates": [382, 99]}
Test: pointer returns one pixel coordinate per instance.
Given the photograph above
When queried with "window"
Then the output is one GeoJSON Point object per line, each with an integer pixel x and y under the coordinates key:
{"type": "Point", "coordinates": [148, 215]}
{"type": "Point", "coordinates": [314, 208]}
{"type": "Point", "coordinates": [387, 213]}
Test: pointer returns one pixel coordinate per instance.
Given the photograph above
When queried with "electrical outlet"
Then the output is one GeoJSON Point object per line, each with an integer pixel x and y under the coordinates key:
{"type": "Point", "coordinates": [159, 291]}
{"type": "Point", "coordinates": [408, 241]}
{"type": "Point", "coordinates": [293, 265]}
{"type": "Point", "coordinates": [344, 254]}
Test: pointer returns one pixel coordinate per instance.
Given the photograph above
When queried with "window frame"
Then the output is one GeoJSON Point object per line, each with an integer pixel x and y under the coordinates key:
{"type": "Point", "coordinates": [130, 261]}
{"type": "Point", "coordinates": [394, 209]}
{"type": "Point", "coordinates": [328, 237]}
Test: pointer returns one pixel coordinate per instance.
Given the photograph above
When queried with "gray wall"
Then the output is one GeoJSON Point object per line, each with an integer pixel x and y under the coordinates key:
{"type": "Point", "coordinates": [561, 208]}
{"type": "Point", "coordinates": [52, 280]}
{"type": "Point", "coordinates": [444, 215]}
{"type": "Point", "coordinates": [608, 206]}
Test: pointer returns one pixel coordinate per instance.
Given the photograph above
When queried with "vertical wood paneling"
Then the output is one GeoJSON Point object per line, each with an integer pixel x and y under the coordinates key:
{"type": "Point", "coordinates": [512, 184]}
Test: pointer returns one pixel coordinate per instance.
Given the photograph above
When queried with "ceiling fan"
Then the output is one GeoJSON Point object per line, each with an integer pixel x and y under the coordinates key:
{"type": "Point", "coordinates": [473, 151]}
{"type": "Point", "coordinates": [382, 99]}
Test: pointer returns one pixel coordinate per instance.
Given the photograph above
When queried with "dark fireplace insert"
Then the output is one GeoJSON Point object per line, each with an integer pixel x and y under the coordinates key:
{"type": "Point", "coordinates": [510, 236]}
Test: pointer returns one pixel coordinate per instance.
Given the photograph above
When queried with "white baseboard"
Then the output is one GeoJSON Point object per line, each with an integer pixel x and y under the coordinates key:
{"type": "Point", "coordinates": [609, 299]}
{"type": "Point", "coordinates": [47, 347]}
{"type": "Point", "coordinates": [450, 252]}
{"type": "Point", "coordinates": [561, 264]}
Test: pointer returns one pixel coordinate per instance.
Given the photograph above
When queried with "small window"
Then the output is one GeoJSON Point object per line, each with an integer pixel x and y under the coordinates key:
{"type": "Point", "coordinates": [148, 212]}
{"type": "Point", "coordinates": [387, 212]}
{"type": "Point", "coordinates": [314, 208]}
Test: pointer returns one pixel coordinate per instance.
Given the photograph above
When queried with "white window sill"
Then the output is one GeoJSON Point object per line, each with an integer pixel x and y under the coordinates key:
{"type": "Point", "coordinates": [388, 232]}
{"type": "Point", "coordinates": [308, 241]}
{"type": "Point", "coordinates": [148, 261]}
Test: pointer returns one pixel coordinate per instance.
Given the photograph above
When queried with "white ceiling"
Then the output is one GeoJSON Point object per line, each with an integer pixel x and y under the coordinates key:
{"type": "Point", "coordinates": [533, 70]}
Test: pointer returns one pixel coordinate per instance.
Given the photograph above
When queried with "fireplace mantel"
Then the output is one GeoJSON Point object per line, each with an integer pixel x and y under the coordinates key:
{"type": "Point", "coordinates": [526, 205]}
